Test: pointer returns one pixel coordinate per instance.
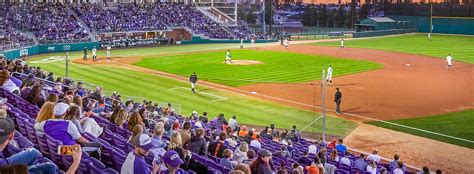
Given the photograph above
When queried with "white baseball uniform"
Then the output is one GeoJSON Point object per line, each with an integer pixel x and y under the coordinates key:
{"type": "Point", "coordinates": [429, 36]}
{"type": "Point", "coordinates": [241, 43]}
{"type": "Point", "coordinates": [108, 51]}
{"type": "Point", "coordinates": [449, 60]}
{"type": "Point", "coordinates": [94, 52]}
{"type": "Point", "coordinates": [329, 75]}
{"type": "Point", "coordinates": [342, 43]}
{"type": "Point", "coordinates": [227, 56]}
{"type": "Point", "coordinates": [286, 42]}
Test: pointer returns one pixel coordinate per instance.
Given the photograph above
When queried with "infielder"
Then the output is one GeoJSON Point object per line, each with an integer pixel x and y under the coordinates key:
{"type": "Point", "coordinates": [286, 43]}
{"type": "Point", "coordinates": [85, 54]}
{"type": "Point", "coordinates": [94, 54]}
{"type": "Point", "coordinates": [449, 61]}
{"type": "Point", "coordinates": [342, 43]}
{"type": "Point", "coordinates": [193, 79]}
{"type": "Point", "coordinates": [429, 36]}
{"type": "Point", "coordinates": [241, 43]}
{"type": "Point", "coordinates": [109, 48]}
{"type": "Point", "coordinates": [228, 57]}
{"type": "Point", "coordinates": [329, 76]}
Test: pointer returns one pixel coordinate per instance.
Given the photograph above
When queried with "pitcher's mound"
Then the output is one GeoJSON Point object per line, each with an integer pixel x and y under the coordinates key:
{"type": "Point", "coordinates": [244, 62]}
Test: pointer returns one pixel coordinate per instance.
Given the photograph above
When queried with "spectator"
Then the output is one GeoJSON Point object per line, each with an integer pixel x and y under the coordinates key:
{"type": "Point", "coordinates": [121, 119]}
{"type": "Point", "coordinates": [35, 97]}
{"type": "Point", "coordinates": [313, 148]}
{"type": "Point", "coordinates": [27, 156]}
{"type": "Point", "coordinates": [256, 143]}
{"type": "Point", "coordinates": [334, 156]}
{"type": "Point", "coordinates": [322, 143]}
{"type": "Point", "coordinates": [221, 120]}
{"type": "Point", "coordinates": [372, 167]}
{"type": "Point", "coordinates": [217, 148]}
{"type": "Point", "coordinates": [135, 161]}
{"type": "Point", "coordinates": [240, 153]}
{"type": "Point", "coordinates": [157, 140]}
{"type": "Point", "coordinates": [135, 119]}
{"type": "Point", "coordinates": [73, 114]}
{"type": "Point", "coordinates": [176, 144]}
{"type": "Point", "coordinates": [233, 124]}
{"type": "Point", "coordinates": [46, 113]}
{"type": "Point", "coordinates": [425, 170]}
{"type": "Point", "coordinates": [439, 172]}
{"type": "Point", "coordinates": [244, 131]}
{"type": "Point", "coordinates": [52, 98]}
{"type": "Point", "coordinates": [374, 157]}
{"type": "Point", "coordinates": [264, 133]}
{"type": "Point", "coordinates": [394, 163]}
{"type": "Point", "coordinates": [283, 152]}
{"type": "Point", "coordinates": [345, 159]}
{"type": "Point", "coordinates": [250, 156]}
{"type": "Point", "coordinates": [399, 169]}
{"type": "Point", "coordinates": [204, 118]}
{"type": "Point", "coordinates": [89, 124]}
{"type": "Point", "coordinates": [297, 169]}
{"type": "Point", "coordinates": [197, 144]}
{"type": "Point", "coordinates": [332, 145]}
{"type": "Point", "coordinates": [115, 113]}
{"type": "Point", "coordinates": [244, 168]}
{"type": "Point", "coordinates": [248, 138]}
{"type": "Point", "coordinates": [137, 130]}
{"type": "Point", "coordinates": [185, 133]}
{"type": "Point", "coordinates": [360, 163]}
{"type": "Point", "coordinates": [226, 161]}
{"type": "Point", "coordinates": [340, 147]}
{"type": "Point", "coordinates": [261, 165]}
{"type": "Point", "coordinates": [304, 160]}
{"type": "Point", "coordinates": [172, 162]}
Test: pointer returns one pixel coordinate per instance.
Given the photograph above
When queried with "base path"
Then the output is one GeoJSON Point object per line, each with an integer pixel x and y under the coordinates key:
{"type": "Point", "coordinates": [413, 150]}
{"type": "Point", "coordinates": [408, 85]}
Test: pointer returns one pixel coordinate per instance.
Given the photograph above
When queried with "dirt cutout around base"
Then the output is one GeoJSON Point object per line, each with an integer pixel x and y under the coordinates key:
{"type": "Point", "coordinates": [244, 62]}
{"type": "Point", "coordinates": [105, 61]}
{"type": "Point", "coordinates": [413, 150]}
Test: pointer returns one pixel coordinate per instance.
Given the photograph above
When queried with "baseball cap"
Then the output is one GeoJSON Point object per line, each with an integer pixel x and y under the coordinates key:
{"type": "Point", "coordinates": [60, 109]}
{"type": "Point", "coordinates": [143, 141]}
{"type": "Point", "coordinates": [264, 153]}
{"type": "Point", "coordinates": [7, 126]}
{"type": "Point", "coordinates": [172, 158]}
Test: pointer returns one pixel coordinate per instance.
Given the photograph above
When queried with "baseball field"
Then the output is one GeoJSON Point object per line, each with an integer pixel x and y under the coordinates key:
{"type": "Point", "coordinates": [390, 78]}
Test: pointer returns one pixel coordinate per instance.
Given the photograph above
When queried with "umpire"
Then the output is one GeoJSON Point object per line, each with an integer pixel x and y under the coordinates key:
{"type": "Point", "coordinates": [337, 99]}
{"type": "Point", "coordinates": [85, 54]}
{"type": "Point", "coordinates": [193, 79]}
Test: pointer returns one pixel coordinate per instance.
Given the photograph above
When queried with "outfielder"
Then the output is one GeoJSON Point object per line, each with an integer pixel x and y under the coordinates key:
{"type": "Point", "coordinates": [109, 48]}
{"type": "Point", "coordinates": [228, 57]}
{"type": "Point", "coordinates": [329, 76]}
{"type": "Point", "coordinates": [193, 79]}
{"type": "Point", "coordinates": [429, 36]}
{"type": "Point", "coordinates": [94, 54]}
{"type": "Point", "coordinates": [449, 60]}
{"type": "Point", "coordinates": [342, 43]}
{"type": "Point", "coordinates": [286, 43]}
{"type": "Point", "coordinates": [241, 43]}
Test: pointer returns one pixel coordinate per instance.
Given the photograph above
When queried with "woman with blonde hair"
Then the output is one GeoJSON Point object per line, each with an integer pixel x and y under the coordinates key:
{"type": "Point", "coordinates": [134, 120]}
{"type": "Point", "coordinates": [121, 118]}
{"type": "Point", "coordinates": [176, 144]}
{"type": "Point", "coordinates": [113, 116]}
{"type": "Point", "coordinates": [240, 153]}
{"type": "Point", "coordinates": [243, 168]}
{"type": "Point", "coordinates": [52, 98]}
{"type": "Point", "coordinates": [138, 129]}
{"type": "Point", "coordinates": [46, 112]}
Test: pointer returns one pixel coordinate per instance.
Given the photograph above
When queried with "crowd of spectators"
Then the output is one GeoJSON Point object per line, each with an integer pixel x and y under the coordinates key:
{"type": "Point", "coordinates": [47, 21]}
{"type": "Point", "coordinates": [11, 38]}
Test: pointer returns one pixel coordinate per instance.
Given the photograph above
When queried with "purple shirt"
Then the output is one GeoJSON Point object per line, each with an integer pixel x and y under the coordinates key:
{"type": "Point", "coordinates": [3, 161]}
{"type": "Point", "coordinates": [61, 130]}
{"type": "Point", "coordinates": [135, 164]}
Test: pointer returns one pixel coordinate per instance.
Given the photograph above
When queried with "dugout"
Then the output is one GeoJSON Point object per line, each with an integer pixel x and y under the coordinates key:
{"type": "Point", "coordinates": [382, 23]}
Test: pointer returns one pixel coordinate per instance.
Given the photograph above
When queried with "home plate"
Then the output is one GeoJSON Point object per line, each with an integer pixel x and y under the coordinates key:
{"type": "Point", "coordinates": [253, 92]}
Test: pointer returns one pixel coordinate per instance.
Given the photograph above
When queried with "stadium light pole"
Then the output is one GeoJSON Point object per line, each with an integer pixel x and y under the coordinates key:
{"type": "Point", "coordinates": [323, 104]}
{"type": "Point", "coordinates": [67, 48]}
{"type": "Point", "coordinates": [264, 30]}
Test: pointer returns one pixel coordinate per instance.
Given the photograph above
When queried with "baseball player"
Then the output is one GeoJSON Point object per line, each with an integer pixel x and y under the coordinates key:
{"type": "Point", "coordinates": [94, 53]}
{"type": "Point", "coordinates": [241, 43]}
{"type": "Point", "coordinates": [429, 36]}
{"type": "Point", "coordinates": [329, 76]}
{"type": "Point", "coordinates": [193, 79]}
{"type": "Point", "coordinates": [449, 61]}
{"type": "Point", "coordinates": [342, 43]}
{"type": "Point", "coordinates": [109, 48]}
{"type": "Point", "coordinates": [252, 42]}
{"type": "Point", "coordinates": [286, 43]}
{"type": "Point", "coordinates": [228, 57]}
{"type": "Point", "coordinates": [85, 54]}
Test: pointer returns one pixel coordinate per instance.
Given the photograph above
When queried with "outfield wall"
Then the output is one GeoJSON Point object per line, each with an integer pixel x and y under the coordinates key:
{"type": "Point", "coordinates": [199, 40]}
{"type": "Point", "coordinates": [382, 32]}
{"type": "Point", "coordinates": [447, 25]}
{"type": "Point", "coordinates": [50, 48]}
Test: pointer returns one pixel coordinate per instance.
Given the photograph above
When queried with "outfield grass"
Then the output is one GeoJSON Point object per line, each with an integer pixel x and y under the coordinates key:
{"type": "Point", "coordinates": [159, 89]}
{"type": "Point", "coordinates": [277, 67]}
{"type": "Point", "coordinates": [457, 124]}
{"type": "Point", "coordinates": [461, 47]}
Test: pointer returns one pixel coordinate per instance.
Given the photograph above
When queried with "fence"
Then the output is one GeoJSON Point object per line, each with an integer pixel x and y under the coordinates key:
{"type": "Point", "coordinates": [382, 32]}
{"type": "Point", "coordinates": [449, 25]}
{"type": "Point", "coordinates": [38, 49]}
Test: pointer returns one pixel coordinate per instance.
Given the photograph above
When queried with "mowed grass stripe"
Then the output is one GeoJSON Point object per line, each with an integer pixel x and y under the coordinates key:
{"type": "Point", "coordinates": [461, 47]}
{"type": "Point", "coordinates": [277, 67]}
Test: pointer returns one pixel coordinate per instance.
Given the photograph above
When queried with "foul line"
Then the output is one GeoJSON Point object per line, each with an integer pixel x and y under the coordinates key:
{"type": "Point", "coordinates": [220, 98]}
